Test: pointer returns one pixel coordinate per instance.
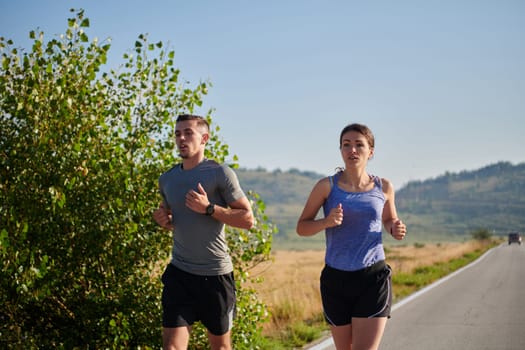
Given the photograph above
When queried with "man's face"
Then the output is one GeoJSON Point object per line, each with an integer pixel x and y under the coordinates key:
{"type": "Point", "coordinates": [190, 138]}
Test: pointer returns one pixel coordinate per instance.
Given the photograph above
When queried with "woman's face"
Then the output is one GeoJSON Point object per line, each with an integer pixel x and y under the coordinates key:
{"type": "Point", "coordinates": [355, 148]}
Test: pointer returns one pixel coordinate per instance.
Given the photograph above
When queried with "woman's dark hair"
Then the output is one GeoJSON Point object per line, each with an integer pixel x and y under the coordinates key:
{"type": "Point", "coordinates": [360, 128]}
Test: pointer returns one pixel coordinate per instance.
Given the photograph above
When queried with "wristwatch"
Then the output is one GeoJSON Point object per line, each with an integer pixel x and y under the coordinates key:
{"type": "Point", "coordinates": [210, 209]}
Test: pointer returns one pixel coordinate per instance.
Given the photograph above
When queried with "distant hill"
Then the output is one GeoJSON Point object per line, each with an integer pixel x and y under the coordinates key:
{"type": "Point", "coordinates": [449, 206]}
{"type": "Point", "coordinates": [492, 197]}
{"type": "Point", "coordinates": [284, 194]}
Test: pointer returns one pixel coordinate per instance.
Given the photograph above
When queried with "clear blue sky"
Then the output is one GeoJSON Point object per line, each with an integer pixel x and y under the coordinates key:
{"type": "Point", "coordinates": [440, 82]}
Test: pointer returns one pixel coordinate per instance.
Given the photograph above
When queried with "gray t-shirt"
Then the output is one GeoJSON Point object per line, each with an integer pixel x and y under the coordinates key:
{"type": "Point", "coordinates": [199, 241]}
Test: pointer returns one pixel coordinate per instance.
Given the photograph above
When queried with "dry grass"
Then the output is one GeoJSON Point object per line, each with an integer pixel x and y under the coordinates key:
{"type": "Point", "coordinates": [290, 284]}
{"type": "Point", "coordinates": [407, 258]}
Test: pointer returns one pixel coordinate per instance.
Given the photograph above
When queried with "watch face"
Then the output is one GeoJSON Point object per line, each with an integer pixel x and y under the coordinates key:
{"type": "Point", "coordinates": [210, 209]}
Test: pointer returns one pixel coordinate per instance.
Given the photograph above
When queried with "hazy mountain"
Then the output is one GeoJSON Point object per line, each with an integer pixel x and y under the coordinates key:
{"type": "Point", "coordinates": [492, 197]}
{"type": "Point", "coordinates": [449, 206]}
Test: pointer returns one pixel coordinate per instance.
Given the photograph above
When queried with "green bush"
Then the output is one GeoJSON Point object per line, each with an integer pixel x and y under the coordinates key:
{"type": "Point", "coordinates": [481, 234]}
{"type": "Point", "coordinates": [81, 150]}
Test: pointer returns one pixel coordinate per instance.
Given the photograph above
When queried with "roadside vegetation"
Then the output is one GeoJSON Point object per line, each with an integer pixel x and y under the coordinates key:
{"type": "Point", "coordinates": [81, 149]}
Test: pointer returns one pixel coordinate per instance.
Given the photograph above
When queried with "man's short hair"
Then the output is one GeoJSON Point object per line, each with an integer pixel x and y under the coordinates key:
{"type": "Point", "coordinates": [201, 121]}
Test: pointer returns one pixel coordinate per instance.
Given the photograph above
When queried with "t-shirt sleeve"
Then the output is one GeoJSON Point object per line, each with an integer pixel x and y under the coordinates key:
{"type": "Point", "coordinates": [230, 188]}
{"type": "Point", "coordinates": [161, 191]}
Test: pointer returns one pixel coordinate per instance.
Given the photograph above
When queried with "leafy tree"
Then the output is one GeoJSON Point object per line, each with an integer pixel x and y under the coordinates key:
{"type": "Point", "coordinates": [481, 234]}
{"type": "Point", "coordinates": [81, 150]}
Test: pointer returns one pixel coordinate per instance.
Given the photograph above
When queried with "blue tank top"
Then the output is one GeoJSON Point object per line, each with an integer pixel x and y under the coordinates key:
{"type": "Point", "coordinates": [356, 243]}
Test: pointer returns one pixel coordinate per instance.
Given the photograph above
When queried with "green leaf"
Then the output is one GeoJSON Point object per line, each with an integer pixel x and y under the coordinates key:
{"type": "Point", "coordinates": [3, 240]}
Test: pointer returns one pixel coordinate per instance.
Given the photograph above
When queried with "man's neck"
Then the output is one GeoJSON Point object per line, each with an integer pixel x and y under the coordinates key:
{"type": "Point", "coordinates": [190, 163]}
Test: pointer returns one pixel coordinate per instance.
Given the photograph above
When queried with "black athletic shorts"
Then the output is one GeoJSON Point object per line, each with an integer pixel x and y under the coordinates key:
{"type": "Point", "coordinates": [187, 298]}
{"type": "Point", "coordinates": [364, 293]}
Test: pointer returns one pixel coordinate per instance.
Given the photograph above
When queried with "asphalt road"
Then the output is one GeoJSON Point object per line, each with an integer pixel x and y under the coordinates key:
{"type": "Point", "coordinates": [481, 306]}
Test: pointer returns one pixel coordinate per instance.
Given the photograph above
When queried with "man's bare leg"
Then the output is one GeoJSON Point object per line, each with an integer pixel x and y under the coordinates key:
{"type": "Point", "coordinates": [220, 342]}
{"type": "Point", "coordinates": [175, 338]}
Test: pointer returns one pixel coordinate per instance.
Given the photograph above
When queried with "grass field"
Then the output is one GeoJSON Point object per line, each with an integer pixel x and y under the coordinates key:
{"type": "Point", "coordinates": [290, 284]}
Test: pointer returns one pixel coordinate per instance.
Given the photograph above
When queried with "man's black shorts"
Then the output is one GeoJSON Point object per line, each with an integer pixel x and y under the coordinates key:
{"type": "Point", "coordinates": [365, 293]}
{"type": "Point", "coordinates": [187, 298]}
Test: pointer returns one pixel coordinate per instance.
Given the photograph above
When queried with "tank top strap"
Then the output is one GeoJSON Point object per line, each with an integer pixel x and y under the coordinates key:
{"type": "Point", "coordinates": [377, 181]}
{"type": "Point", "coordinates": [333, 179]}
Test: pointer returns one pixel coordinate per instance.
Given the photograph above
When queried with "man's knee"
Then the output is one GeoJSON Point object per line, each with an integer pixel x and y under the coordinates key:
{"type": "Point", "coordinates": [220, 342]}
{"type": "Point", "coordinates": [175, 338]}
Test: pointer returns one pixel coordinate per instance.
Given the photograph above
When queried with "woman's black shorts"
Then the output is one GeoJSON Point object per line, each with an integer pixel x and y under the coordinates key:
{"type": "Point", "coordinates": [364, 293]}
{"type": "Point", "coordinates": [187, 298]}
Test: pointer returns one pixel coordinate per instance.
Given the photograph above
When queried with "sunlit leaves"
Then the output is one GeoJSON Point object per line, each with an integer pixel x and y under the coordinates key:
{"type": "Point", "coordinates": [81, 149]}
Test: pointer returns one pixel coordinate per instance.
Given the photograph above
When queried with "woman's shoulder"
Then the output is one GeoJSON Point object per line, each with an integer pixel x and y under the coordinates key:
{"type": "Point", "coordinates": [386, 184]}
{"type": "Point", "coordinates": [321, 183]}
{"type": "Point", "coordinates": [325, 185]}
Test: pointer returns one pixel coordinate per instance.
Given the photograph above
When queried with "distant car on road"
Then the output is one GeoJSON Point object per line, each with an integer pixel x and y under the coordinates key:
{"type": "Point", "coordinates": [514, 237]}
